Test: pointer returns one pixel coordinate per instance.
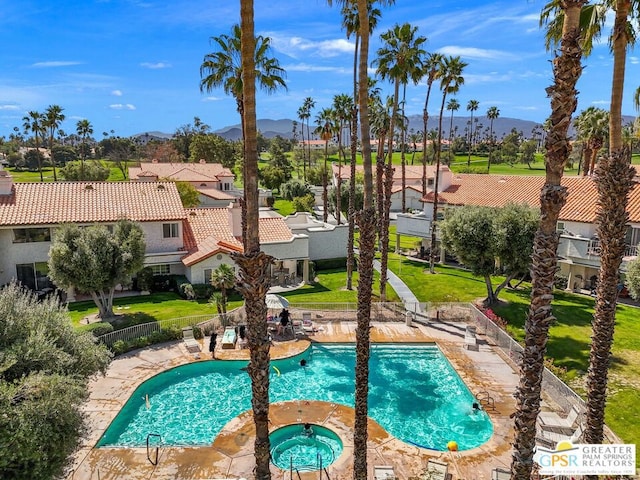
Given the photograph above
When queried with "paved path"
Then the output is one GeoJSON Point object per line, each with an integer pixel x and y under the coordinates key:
{"type": "Point", "coordinates": [410, 301]}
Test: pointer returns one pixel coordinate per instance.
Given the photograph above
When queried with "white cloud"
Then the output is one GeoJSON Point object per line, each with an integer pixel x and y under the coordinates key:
{"type": "Point", "coordinates": [634, 60]}
{"type": "Point", "coordinates": [600, 102]}
{"type": "Point", "coordinates": [305, 67]}
{"type": "Point", "coordinates": [477, 53]}
{"type": "Point", "coordinates": [121, 106]}
{"type": "Point", "coordinates": [116, 93]}
{"type": "Point", "coordinates": [9, 107]}
{"type": "Point", "coordinates": [211, 99]}
{"type": "Point", "coordinates": [55, 63]}
{"type": "Point", "coordinates": [155, 66]}
{"type": "Point", "coordinates": [297, 46]}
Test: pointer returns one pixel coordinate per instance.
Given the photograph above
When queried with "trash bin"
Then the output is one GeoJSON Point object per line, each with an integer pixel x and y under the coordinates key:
{"type": "Point", "coordinates": [408, 318]}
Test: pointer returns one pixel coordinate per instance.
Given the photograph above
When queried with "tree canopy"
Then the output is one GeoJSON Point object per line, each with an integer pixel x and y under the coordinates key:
{"type": "Point", "coordinates": [632, 280]}
{"type": "Point", "coordinates": [481, 237]}
{"type": "Point", "coordinates": [93, 260]}
{"type": "Point", "coordinates": [44, 365]}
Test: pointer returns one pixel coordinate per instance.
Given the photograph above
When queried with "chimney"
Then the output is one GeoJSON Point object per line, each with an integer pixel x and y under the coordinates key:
{"type": "Point", "coordinates": [235, 219]}
{"type": "Point", "coordinates": [6, 183]}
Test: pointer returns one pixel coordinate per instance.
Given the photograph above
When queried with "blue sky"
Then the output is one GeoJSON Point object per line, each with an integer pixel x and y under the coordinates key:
{"type": "Point", "coordinates": [133, 65]}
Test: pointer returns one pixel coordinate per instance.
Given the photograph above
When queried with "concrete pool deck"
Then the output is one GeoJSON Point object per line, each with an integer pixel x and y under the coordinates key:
{"type": "Point", "coordinates": [231, 453]}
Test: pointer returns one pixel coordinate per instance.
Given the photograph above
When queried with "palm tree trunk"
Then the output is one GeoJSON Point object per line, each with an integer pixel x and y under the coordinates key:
{"type": "Point", "coordinates": [425, 121]}
{"type": "Point", "coordinates": [490, 145]}
{"type": "Point", "coordinates": [614, 181]}
{"type": "Point", "coordinates": [402, 157]}
{"type": "Point", "coordinates": [351, 210]}
{"type": "Point", "coordinates": [366, 222]}
{"type": "Point", "coordinates": [432, 256]}
{"type": "Point", "coordinates": [325, 199]}
{"type": "Point", "coordinates": [254, 264]}
{"type": "Point", "coordinates": [563, 94]}
{"type": "Point", "coordinates": [470, 140]}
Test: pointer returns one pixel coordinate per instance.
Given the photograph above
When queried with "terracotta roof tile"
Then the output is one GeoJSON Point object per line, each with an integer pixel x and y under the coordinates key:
{"type": "Point", "coordinates": [498, 190]}
{"type": "Point", "coordinates": [187, 172]}
{"type": "Point", "coordinates": [89, 202]}
{"type": "Point", "coordinates": [207, 232]}
{"type": "Point", "coordinates": [412, 172]}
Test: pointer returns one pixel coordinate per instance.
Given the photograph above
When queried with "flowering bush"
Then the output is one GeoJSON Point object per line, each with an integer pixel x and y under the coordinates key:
{"type": "Point", "coordinates": [499, 321]}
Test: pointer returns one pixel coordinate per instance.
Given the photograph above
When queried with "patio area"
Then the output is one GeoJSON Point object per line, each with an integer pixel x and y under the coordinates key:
{"type": "Point", "coordinates": [231, 453]}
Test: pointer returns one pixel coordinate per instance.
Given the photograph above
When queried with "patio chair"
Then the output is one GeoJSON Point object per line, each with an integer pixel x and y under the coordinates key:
{"type": "Point", "coordinates": [553, 419]}
{"type": "Point", "coordinates": [500, 474]}
{"type": "Point", "coordinates": [549, 438]}
{"type": "Point", "coordinates": [383, 472]}
{"type": "Point", "coordinates": [436, 470]}
{"type": "Point", "coordinates": [193, 346]}
{"type": "Point", "coordinates": [470, 340]}
{"type": "Point", "coordinates": [229, 338]}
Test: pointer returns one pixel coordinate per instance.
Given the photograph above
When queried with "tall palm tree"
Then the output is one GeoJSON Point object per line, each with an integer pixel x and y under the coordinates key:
{"type": "Point", "coordinates": [432, 71]}
{"type": "Point", "coordinates": [492, 114]}
{"type": "Point", "coordinates": [451, 79]}
{"type": "Point", "coordinates": [308, 105]}
{"type": "Point", "coordinates": [614, 181]}
{"type": "Point", "coordinates": [453, 106]}
{"type": "Point", "coordinates": [472, 106]}
{"type": "Point", "coordinates": [593, 128]}
{"type": "Point", "coordinates": [34, 122]}
{"type": "Point", "coordinates": [563, 94]}
{"type": "Point", "coordinates": [223, 278]}
{"type": "Point", "coordinates": [223, 68]}
{"type": "Point", "coordinates": [400, 60]}
{"type": "Point", "coordinates": [325, 131]}
{"type": "Point", "coordinates": [254, 264]}
{"type": "Point", "coordinates": [343, 106]}
{"type": "Point", "coordinates": [303, 115]}
{"type": "Point", "coordinates": [53, 118]}
{"type": "Point", "coordinates": [84, 129]}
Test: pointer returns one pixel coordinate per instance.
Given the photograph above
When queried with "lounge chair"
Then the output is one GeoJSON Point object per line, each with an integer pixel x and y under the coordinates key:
{"type": "Point", "coordinates": [553, 419]}
{"type": "Point", "coordinates": [229, 338]}
{"type": "Point", "coordinates": [193, 346]}
{"type": "Point", "coordinates": [549, 438]}
{"type": "Point", "coordinates": [436, 470]}
{"type": "Point", "coordinates": [470, 340]}
{"type": "Point", "coordinates": [383, 472]}
{"type": "Point", "coordinates": [500, 474]}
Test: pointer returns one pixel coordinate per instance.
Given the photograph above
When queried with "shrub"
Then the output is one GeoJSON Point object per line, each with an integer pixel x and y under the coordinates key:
{"type": "Point", "coordinates": [160, 336]}
{"type": "Point", "coordinates": [197, 332]}
{"type": "Point", "coordinates": [561, 282]}
{"type": "Point", "coordinates": [100, 328]}
{"type": "Point", "coordinates": [331, 263]}
{"type": "Point", "coordinates": [304, 204]}
{"type": "Point", "coordinates": [202, 290]}
{"type": "Point", "coordinates": [144, 279]}
{"type": "Point", "coordinates": [270, 202]}
{"type": "Point", "coordinates": [294, 188]}
{"type": "Point", "coordinates": [185, 290]}
{"type": "Point", "coordinates": [499, 321]}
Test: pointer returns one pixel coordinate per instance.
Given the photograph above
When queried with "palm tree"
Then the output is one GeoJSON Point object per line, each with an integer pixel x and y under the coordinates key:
{"type": "Point", "coordinates": [450, 81]}
{"type": "Point", "coordinates": [563, 94]}
{"type": "Point", "coordinates": [325, 131]}
{"type": "Point", "coordinates": [593, 127]}
{"type": "Point", "coordinates": [343, 106]}
{"type": "Point", "coordinates": [308, 104]}
{"type": "Point", "coordinates": [34, 122]}
{"type": "Point", "coordinates": [303, 115]}
{"type": "Point", "coordinates": [432, 71]}
{"type": "Point", "coordinates": [492, 114]}
{"type": "Point", "coordinates": [53, 118]}
{"type": "Point", "coordinates": [614, 181]}
{"type": "Point", "coordinates": [223, 278]}
{"type": "Point", "coordinates": [453, 105]}
{"type": "Point", "coordinates": [399, 60]}
{"type": "Point", "coordinates": [472, 106]}
{"type": "Point", "coordinates": [84, 129]}
{"type": "Point", "coordinates": [254, 264]}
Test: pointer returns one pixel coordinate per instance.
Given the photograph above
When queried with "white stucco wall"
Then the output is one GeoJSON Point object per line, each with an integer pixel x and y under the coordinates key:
{"type": "Point", "coordinates": [12, 254]}
{"type": "Point", "coordinates": [155, 241]}
{"type": "Point", "coordinates": [298, 248]}
{"type": "Point", "coordinates": [195, 273]}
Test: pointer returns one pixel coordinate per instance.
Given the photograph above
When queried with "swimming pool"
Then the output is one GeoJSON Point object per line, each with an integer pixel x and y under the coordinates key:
{"type": "Point", "coordinates": [414, 393]}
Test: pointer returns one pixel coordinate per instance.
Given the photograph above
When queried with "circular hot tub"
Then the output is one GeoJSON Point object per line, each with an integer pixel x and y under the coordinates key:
{"type": "Point", "coordinates": [304, 450]}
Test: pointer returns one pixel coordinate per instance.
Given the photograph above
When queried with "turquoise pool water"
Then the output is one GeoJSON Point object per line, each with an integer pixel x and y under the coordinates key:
{"type": "Point", "coordinates": [414, 393]}
{"type": "Point", "coordinates": [291, 447]}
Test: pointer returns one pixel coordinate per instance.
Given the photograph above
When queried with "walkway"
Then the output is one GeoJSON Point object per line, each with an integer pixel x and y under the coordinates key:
{"type": "Point", "coordinates": [410, 301]}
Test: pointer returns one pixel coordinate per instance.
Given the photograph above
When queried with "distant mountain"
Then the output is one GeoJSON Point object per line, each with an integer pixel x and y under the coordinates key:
{"type": "Point", "coordinates": [269, 128]}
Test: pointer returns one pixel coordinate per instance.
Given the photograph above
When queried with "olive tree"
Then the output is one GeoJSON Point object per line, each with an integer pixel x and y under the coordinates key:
{"type": "Point", "coordinates": [632, 280]}
{"type": "Point", "coordinates": [483, 237]}
{"type": "Point", "coordinates": [94, 260]}
{"type": "Point", "coordinates": [44, 365]}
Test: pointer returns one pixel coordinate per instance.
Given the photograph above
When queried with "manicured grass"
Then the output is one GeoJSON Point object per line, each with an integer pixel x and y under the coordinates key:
{"type": "Point", "coordinates": [283, 207]}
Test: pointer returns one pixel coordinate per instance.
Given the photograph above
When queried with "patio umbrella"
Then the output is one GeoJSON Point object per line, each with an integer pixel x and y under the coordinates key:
{"type": "Point", "coordinates": [275, 301]}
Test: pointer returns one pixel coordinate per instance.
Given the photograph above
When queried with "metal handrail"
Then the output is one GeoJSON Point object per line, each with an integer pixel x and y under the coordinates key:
{"type": "Point", "coordinates": [154, 463]}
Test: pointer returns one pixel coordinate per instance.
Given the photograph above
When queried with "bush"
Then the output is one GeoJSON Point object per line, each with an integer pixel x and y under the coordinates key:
{"type": "Point", "coordinates": [144, 279]}
{"type": "Point", "coordinates": [304, 204]}
{"type": "Point", "coordinates": [100, 328]}
{"type": "Point", "coordinates": [331, 263]}
{"type": "Point", "coordinates": [160, 336]}
{"type": "Point", "coordinates": [270, 202]}
{"type": "Point", "coordinates": [561, 282]}
{"type": "Point", "coordinates": [185, 290]}
{"type": "Point", "coordinates": [294, 188]}
{"type": "Point", "coordinates": [466, 169]}
{"type": "Point", "coordinates": [197, 332]}
{"type": "Point", "coordinates": [202, 290]}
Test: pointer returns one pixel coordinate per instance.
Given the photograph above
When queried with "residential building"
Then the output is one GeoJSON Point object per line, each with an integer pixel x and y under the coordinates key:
{"type": "Point", "coordinates": [579, 248]}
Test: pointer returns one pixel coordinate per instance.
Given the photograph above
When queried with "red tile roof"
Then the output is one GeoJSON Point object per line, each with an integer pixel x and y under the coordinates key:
{"type": "Point", "coordinates": [207, 232]}
{"type": "Point", "coordinates": [90, 202]}
{"type": "Point", "coordinates": [187, 172]}
{"type": "Point", "coordinates": [498, 190]}
{"type": "Point", "coordinates": [412, 172]}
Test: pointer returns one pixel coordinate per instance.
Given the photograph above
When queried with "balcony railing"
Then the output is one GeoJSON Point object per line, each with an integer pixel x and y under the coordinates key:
{"type": "Point", "coordinates": [586, 248]}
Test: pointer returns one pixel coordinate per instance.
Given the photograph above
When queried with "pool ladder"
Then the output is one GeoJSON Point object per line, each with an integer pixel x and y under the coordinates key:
{"type": "Point", "coordinates": [318, 466]}
{"type": "Point", "coordinates": [486, 400]}
{"type": "Point", "coordinates": [155, 460]}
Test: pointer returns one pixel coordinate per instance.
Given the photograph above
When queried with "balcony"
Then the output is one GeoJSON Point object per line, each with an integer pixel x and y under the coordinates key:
{"type": "Point", "coordinates": [586, 251]}
{"type": "Point", "coordinates": [415, 225]}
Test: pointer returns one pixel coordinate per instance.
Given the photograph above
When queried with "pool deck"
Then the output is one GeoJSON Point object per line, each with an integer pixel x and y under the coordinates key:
{"type": "Point", "coordinates": [231, 454]}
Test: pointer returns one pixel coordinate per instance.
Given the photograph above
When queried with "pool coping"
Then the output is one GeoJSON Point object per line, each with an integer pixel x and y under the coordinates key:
{"type": "Point", "coordinates": [231, 453]}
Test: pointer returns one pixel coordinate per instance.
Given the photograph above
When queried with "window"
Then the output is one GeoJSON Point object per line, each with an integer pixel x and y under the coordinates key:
{"type": "Point", "coordinates": [164, 269]}
{"type": "Point", "coordinates": [170, 230]}
{"type": "Point", "coordinates": [560, 227]}
{"type": "Point", "coordinates": [207, 275]}
{"type": "Point", "coordinates": [430, 182]}
{"type": "Point", "coordinates": [633, 236]}
{"type": "Point", "coordinates": [28, 235]}
{"type": "Point", "coordinates": [226, 186]}
{"type": "Point", "coordinates": [34, 275]}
